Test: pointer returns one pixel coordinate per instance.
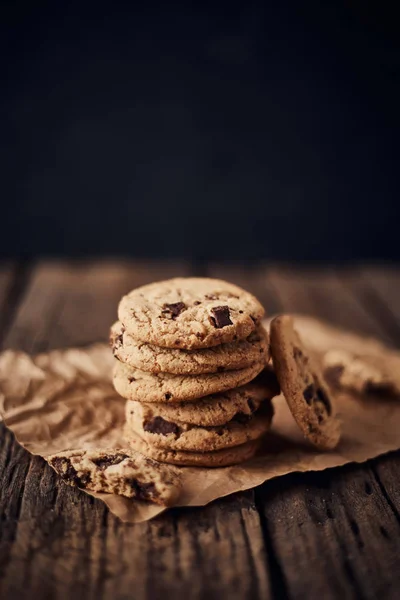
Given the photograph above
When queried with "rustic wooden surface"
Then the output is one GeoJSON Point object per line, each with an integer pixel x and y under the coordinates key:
{"type": "Point", "coordinates": [334, 534]}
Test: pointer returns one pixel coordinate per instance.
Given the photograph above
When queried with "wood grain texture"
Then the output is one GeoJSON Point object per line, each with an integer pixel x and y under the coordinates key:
{"type": "Point", "coordinates": [378, 288]}
{"type": "Point", "coordinates": [57, 542]}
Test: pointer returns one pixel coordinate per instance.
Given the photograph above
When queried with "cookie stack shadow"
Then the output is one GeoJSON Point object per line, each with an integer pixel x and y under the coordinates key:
{"type": "Point", "coordinates": [191, 357]}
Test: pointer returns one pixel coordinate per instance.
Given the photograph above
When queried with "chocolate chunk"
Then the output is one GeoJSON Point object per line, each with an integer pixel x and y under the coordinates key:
{"type": "Point", "coordinates": [84, 480]}
{"type": "Point", "coordinates": [160, 426]}
{"type": "Point", "coordinates": [173, 310]}
{"type": "Point", "coordinates": [108, 461]}
{"type": "Point", "coordinates": [308, 393]}
{"type": "Point", "coordinates": [333, 375]}
{"type": "Point", "coordinates": [64, 467]}
{"type": "Point", "coordinates": [254, 336]}
{"type": "Point", "coordinates": [297, 353]}
{"type": "Point", "coordinates": [242, 418]}
{"type": "Point", "coordinates": [314, 392]}
{"type": "Point", "coordinates": [323, 398]}
{"type": "Point", "coordinates": [131, 379]}
{"type": "Point", "coordinates": [221, 317]}
{"type": "Point", "coordinates": [211, 297]}
{"type": "Point", "coordinates": [67, 472]}
{"type": "Point", "coordinates": [251, 404]}
{"type": "Point", "coordinates": [116, 341]}
{"type": "Point", "coordinates": [382, 390]}
{"type": "Point", "coordinates": [196, 302]}
{"type": "Point", "coordinates": [312, 428]}
{"type": "Point", "coordinates": [168, 396]}
{"type": "Point", "coordinates": [143, 491]}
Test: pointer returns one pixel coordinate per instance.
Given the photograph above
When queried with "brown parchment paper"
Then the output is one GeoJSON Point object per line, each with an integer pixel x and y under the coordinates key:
{"type": "Point", "coordinates": [64, 400]}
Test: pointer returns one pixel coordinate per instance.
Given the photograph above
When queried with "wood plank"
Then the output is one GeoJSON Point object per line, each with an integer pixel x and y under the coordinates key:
{"type": "Point", "coordinates": [251, 278]}
{"type": "Point", "coordinates": [320, 292]}
{"type": "Point", "coordinates": [332, 534]}
{"type": "Point", "coordinates": [13, 461]}
{"type": "Point", "coordinates": [74, 303]}
{"type": "Point", "coordinates": [379, 290]}
{"type": "Point", "coordinates": [58, 541]}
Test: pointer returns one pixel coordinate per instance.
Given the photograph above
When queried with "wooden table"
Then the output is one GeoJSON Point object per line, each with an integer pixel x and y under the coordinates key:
{"type": "Point", "coordinates": [334, 534]}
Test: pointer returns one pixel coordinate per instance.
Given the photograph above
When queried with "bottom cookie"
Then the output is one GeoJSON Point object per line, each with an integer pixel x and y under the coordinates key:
{"type": "Point", "coordinates": [118, 471]}
{"type": "Point", "coordinates": [219, 458]}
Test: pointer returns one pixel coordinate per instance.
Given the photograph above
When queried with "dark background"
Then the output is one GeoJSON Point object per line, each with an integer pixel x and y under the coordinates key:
{"type": "Point", "coordinates": [251, 130]}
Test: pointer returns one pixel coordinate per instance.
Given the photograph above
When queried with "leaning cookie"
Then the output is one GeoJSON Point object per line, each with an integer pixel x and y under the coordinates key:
{"type": "Point", "coordinates": [175, 435]}
{"type": "Point", "coordinates": [238, 404]}
{"type": "Point", "coordinates": [123, 472]}
{"type": "Point", "coordinates": [225, 357]}
{"type": "Point", "coordinates": [303, 385]}
{"type": "Point", "coordinates": [134, 384]}
{"type": "Point", "coordinates": [220, 458]}
{"type": "Point", "coordinates": [190, 313]}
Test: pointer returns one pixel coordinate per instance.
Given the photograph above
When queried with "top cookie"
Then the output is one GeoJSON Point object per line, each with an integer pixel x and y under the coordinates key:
{"type": "Point", "coordinates": [189, 313]}
{"type": "Point", "coordinates": [303, 386]}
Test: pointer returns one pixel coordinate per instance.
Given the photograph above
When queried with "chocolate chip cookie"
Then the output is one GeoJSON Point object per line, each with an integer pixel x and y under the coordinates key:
{"type": "Point", "coordinates": [238, 404]}
{"type": "Point", "coordinates": [303, 385]}
{"type": "Point", "coordinates": [175, 435]}
{"type": "Point", "coordinates": [122, 472]}
{"type": "Point", "coordinates": [225, 357]}
{"type": "Point", "coordinates": [220, 458]}
{"type": "Point", "coordinates": [362, 373]}
{"type": "Point", "coordinates": [189, 313]}
{"type": "Point", "coordinates": [134, 384]}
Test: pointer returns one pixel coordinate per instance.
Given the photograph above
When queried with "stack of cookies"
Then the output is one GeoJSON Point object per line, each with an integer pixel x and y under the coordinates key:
{"type": "Point", "coordinates": [191, 356]}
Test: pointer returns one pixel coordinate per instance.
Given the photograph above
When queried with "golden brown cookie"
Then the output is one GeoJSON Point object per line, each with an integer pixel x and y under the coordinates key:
{"type": "Point", "coordinates": [303, 385]}
{"type": "Point", "coordinates": [225, 357]}
{"type": "Point", "coordinates": [190, 313]}
{"type": "Point", "coordinates": [175, 435]}
{"type": "Point", "coordinates": [134, 384]}
{"type": "Point", "coordinates": [118, 471]}
{"type": "Point", "coordinates": [218, 409]}
{"type": "Point", "coordinates": [220, 458]}
{"type": "Point", "coordinates": [362, 373]}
